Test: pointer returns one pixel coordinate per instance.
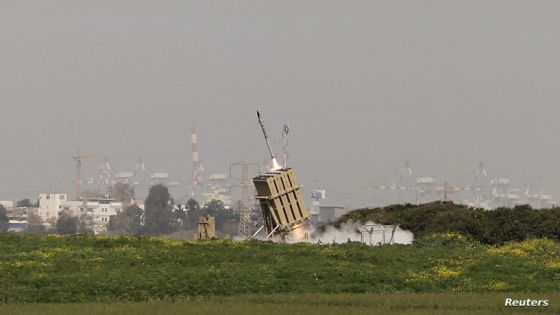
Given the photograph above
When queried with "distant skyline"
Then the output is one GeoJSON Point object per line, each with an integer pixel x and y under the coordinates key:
{"type": "Point", "coordinates": [365, 86]}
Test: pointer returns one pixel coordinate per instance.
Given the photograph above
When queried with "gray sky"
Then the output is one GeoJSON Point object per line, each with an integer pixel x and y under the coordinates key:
{"type": "Point", "coordinates": [365, 85]}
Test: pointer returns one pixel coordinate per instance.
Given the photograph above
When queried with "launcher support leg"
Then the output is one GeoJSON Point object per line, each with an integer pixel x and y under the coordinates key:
{"type": "Point", "coordinates": [257, 232]}
{"type": "Point", "coordinates": [269, 235]}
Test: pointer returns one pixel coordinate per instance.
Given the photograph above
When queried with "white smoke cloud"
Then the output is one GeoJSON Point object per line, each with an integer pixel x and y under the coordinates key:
{"type": "Point", "coordinates": [370, 233]}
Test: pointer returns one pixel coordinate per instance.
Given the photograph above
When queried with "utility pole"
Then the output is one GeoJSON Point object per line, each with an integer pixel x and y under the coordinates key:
{"type": "Point", "coordinates": [244, 184]}
{"type": "Point", "coordinates": [446, 190]}
{"type": "Point", "coordinates": [78, 158]}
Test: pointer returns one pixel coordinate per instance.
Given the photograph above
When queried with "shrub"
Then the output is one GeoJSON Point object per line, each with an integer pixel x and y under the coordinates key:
{"type": "Point", "coordinates": [491, 227]}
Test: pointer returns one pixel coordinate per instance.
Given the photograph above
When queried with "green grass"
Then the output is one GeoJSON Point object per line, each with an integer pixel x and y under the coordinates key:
{"type": "Point", "coordinates": [57, 269]}
{"type": "Point", "coordinates": [323, 304]}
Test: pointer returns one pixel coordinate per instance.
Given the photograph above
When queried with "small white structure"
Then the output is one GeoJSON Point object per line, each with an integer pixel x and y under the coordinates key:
{"type": "Point", "coordinates": [50, 205]}
{"type": "Point", "coordinates": [379, 234]}
{"type": "Point", "coordinates": [19, 213]}
{"type": "Point", "coordinates": [7, 203]}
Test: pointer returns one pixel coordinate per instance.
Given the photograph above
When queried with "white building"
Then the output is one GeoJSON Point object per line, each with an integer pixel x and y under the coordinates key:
{"type": "Point", "coordinates": [218, 188]}
{"type": "Point", "coordinates": [331, 214]}
{"type": "Point", "coordinates": [50, 205]}
{"type": "Point", "coordinates": [6, 203]}
{"type": "Point", "coordinates": [18, 217]}
{"type": "Point", "coordinates": [96, 212]}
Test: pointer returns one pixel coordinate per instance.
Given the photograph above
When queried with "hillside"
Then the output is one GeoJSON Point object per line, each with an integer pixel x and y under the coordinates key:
{"type": "Point", "coordinates": [490, 227]}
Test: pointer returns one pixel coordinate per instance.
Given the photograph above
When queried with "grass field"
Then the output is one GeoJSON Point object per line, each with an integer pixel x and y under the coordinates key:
{"type": "Point", "coordinates": [83, 269]}
{"type": "Point", "coordinates": [323, 304]}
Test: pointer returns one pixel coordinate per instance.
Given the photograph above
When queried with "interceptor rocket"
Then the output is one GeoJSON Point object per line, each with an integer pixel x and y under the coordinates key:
{"type": "Point", "coordinates": [261, 122]}
{"type": "Point", "coordinates": [275, 164]}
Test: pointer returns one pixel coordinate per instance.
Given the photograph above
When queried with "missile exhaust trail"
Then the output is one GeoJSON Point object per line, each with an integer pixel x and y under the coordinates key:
{"type": "Point", "coordinates": [275, 164]}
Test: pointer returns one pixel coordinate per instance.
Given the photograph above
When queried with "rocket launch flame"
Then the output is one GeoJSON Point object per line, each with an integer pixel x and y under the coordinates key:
{"type": "Point", "coordinates": [275, 165]}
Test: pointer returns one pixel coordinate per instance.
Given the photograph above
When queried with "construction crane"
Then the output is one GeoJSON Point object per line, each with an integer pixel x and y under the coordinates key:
{"type": "Point", "coordinates": [503, 194]}
{"type": "Point", "coordinates": [482, 189]}
{"type": "Point", "coordinates": [538, 198]}
{"type": "Point", "coordinates": [140, 168]}
{"type": "Point", "coordinates": [408, 182]}
{"type": "Point", "coordinates": [481, 182]}
{"type": "Point", "coordinates": [79, 158]}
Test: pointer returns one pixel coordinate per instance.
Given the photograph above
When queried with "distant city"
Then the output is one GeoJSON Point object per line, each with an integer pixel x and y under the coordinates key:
{"type": "Point", "coordinates": [100, 197]}
{"type": "Point", "coordinates": [481, 190]}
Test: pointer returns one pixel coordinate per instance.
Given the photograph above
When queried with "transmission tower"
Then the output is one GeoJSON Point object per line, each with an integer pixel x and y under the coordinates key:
{"type": "Point", "coordinates": [244, 185]}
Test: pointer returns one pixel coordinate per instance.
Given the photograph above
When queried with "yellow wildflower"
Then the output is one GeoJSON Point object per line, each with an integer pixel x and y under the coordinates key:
{"type": "Point", "coordinates": [497, 285]}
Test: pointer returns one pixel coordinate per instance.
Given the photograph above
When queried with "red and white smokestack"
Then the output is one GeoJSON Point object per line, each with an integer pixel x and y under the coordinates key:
{"type": "Point", "coordinates": [198, 169]}
{"type": "Point", "coordinates": [194, 140]}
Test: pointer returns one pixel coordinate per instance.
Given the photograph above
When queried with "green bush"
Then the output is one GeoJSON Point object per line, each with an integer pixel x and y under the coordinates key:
{"type": "Point", "coordinates": [490, 227]}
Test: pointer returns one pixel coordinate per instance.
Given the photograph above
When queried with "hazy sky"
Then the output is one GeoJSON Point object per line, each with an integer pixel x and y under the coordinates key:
{"type": "Point", "coordinates": [365, 85]}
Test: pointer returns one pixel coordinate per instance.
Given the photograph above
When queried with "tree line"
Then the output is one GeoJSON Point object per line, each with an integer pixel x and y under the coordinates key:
{"type": "Point", "coordinates": [160, 216]}
{"type": "Point", "coordinates": [491, 227]}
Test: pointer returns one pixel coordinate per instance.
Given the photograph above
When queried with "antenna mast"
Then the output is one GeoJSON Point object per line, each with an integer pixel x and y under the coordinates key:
{"type": "Point", "coordinates": [285, 131]}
